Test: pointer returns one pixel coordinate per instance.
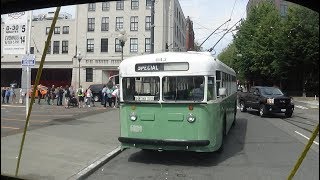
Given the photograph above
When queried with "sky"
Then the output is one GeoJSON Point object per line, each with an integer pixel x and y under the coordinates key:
{"type": "Point", "coordinates": [207, 15]}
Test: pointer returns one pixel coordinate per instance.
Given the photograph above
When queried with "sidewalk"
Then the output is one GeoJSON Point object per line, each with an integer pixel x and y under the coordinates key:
{"type": "Point", "coordinates": [67, 150]}
{"type": "Point", "coordinates": [310, 101]}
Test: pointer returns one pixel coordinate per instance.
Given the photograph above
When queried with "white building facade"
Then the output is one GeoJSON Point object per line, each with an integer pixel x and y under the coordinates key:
{"type": "Point", "coordinates": [94, 34]}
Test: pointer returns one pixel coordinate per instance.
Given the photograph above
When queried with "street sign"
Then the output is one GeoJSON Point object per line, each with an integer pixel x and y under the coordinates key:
{"type": "Point", "coordinates": [28, 60]}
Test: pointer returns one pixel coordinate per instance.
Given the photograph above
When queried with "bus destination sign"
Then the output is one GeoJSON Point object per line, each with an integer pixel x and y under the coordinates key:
{"type": "Point", "coordinates": [156, 67]}
{"type": "Point", "coordinates": [149, 67]}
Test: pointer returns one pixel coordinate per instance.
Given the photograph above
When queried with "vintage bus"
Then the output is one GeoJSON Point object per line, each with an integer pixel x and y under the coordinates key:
{"type": "Point", "coordinates": [176, 101]}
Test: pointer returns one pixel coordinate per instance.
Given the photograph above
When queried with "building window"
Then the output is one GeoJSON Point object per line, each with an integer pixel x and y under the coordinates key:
{"type": "Point", "coordinates": [91, 24]}
{"type": "Point", "coordinates": [147, 44]}
{"type": "Point", "coordinates": [134, 4]}
{"type": "Point", "coordinates": [56, 47]}
{"type": "Point", "coordinates": [89, 75]}
{"type": "Point", "coordinates": [91, 6]}
{"type": "Point", "coordinates": [134, 45]}
{"type": "Point", "coordinates": [47, 30]}
{"type": "Point", "coordinates": [31, 50]}
{"type": "Point", "coordinates": [105, 24]}
{"type": "Point", "coordinates": [90, 45]}
{"type": "Point", "coordinates": [65, 30]}
{"type": "Point", "coordinates": [57, 30]}
{"type": "Point", "coordinates": [134, 23]}
{"type": "Point", "coordinates": [148, 22]}
{"type": "Point", "coordinates": [65, 47]}
{"type": "Point", "coordinates": [49, 48]}
{"type": "Point", "coordinates": [148, 4]}
{"type": "Point", "coordinates": [119, 23]}
{"type": "Point", "coordinates": [104, 45]}
{"type": "Point", "coordinates": [283, 9]}
{"type": "Point", "coordinates": [105, 6]}
{"type": "Point", "coordinates": [117, 45]}
{"type": "Point", "coordinates": [120, 5]}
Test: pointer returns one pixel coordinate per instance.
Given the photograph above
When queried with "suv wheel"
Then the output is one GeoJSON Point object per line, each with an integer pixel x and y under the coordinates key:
{"type": "Point", "coordinates": [242, 107]}
{"type": "Point", "coordinates": [96, 98]}
{"type": "Point", "coordinates": [262, 110]}
{"type": "Point", "coordinates": [288, 114]}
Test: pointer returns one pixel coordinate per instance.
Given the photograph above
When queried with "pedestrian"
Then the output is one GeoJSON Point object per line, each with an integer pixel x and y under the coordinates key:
{"type": "Point", "coordinates": [88, 97]}
{"type": "Point", "coordinates": [61, 91]}
{"type": "Point", "coordinates": [13, 96]}
{"type": "Point", "coordinates": [115, 95]}
{"type": "Point", "coordinates": [22, 96]}
{"type": "Point", "coordinates": [3, 94]}
{"type": "Point", "coordinates": [109, 96]}
{"type": "Point", "coordinates": [7, 95]}
{"type": "Point", "coordinates": [80, 95]}
{"type": "Point", "coordinates": [67, 96]}
{"type": "Point", "coordinates": [48, 95]}
{"type": "Point", "coordinates": [104, 96]}
{"type": "Point", "coordinates": [39, 93]}
{"type": "Point", "coordinates": [57, 94]}
{"type": "Point", "coordinates": [52, 93]}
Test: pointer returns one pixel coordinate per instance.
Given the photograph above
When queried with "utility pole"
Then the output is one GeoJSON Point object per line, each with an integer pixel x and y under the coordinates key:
{"type": "Point", "coordinates": [152, 27]}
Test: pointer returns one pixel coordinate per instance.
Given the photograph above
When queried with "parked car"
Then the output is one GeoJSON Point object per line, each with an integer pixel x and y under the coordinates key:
{"type": "Point", "coordinates": [267, 100]}
{"type": "Point", "coordinates": [96, 91]}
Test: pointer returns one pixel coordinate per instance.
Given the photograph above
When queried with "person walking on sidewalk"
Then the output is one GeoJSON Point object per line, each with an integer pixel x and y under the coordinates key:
{"type": "Point", "coordinates": [104, 96]}
{"type": "Point", "coordinates": [67, 96]}
{"type": "Point", "coordinates": [88, 97]}
{"type": "Point", "coordinates": [80, 95]}
{"type": "Point", "coordinates": [52, 94]}
{"type": "Point", "coordinates": [3, 94]}
{"type": "Point", "coordinates": [7, 95]}
{"type": "Point", "coordinates": [39, 93]}
{"type": "Point", "coordinates": [61, 91]}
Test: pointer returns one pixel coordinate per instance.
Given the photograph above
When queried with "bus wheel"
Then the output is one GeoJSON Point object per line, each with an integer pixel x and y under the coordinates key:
{"type": "Point", "coordinates": [242, 107]}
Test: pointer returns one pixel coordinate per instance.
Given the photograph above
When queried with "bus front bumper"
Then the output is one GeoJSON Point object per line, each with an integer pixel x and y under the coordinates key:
{"type": "Point", "coordinates": [164, 142]}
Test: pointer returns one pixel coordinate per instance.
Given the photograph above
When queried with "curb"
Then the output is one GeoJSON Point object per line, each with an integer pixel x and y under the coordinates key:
{"type": "Point", "coordinates": [84, 173]}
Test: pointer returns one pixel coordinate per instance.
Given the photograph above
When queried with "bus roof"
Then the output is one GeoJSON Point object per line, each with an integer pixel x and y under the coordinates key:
{"type": "Point", "coordinates": [200, 63]}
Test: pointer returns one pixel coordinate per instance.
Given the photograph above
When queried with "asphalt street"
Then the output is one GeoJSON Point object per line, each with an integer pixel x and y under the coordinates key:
{"type": "Point", "coordinates": [256, 148]}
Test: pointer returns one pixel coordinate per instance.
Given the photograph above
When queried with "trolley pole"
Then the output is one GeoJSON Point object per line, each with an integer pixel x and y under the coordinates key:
{"type": "Point", "coordinates": [152, 27]}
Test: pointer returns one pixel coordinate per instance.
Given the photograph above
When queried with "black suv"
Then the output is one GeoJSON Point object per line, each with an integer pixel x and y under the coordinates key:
{"type": "Point", "coordinates": [96, 91]}
{"type": "Point", "coordinates": [266, 100]}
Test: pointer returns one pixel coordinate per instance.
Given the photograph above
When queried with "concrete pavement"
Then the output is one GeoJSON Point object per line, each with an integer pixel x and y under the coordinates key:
{"type": "Point", "coordinates": [68, 150]}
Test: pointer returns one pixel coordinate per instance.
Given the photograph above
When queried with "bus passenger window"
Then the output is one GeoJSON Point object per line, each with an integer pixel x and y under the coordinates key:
{"type": "Point", "coordinates": [210, 90]}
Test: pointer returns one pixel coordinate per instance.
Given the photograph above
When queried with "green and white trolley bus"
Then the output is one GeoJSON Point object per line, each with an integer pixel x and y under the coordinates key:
{"type": "Point", "coordinates": [176, 101]}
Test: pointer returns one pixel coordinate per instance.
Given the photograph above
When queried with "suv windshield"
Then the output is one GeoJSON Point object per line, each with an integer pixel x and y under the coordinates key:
{"type": "Point", "coordinates": [271, 91]}
{"type": "Point", "coordinates": [184, 88]}
{"type": "Point", "coordinates": [141, 88]}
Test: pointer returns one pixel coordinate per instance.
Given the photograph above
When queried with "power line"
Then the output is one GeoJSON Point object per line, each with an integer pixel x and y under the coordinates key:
{"type": "Point", "coordinates": [214, 31]}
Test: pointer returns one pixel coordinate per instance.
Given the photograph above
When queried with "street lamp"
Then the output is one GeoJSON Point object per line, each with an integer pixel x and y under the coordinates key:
{"type": "Point", "coordinates": [79, 57]}
{"type": "Point", "coordinates": [122, 38]}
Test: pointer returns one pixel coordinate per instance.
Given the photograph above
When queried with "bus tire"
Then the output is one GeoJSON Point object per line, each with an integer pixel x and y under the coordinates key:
{"type": "Point", "coordinates": [220, 150]}
{"type": "Point", "coordinates": [242, 106]}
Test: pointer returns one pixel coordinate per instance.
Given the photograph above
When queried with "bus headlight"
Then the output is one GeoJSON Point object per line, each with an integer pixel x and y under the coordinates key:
{"type": "Point", "coordinates": [191, 118]}
{"type": "Point", "coordinates": [270, 101]}
{"type": "Point", "coordinates": [133, 116]}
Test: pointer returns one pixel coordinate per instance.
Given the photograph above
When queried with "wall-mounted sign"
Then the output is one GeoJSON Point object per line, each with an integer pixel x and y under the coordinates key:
{"type": "Point", "coordinates": [15, 30]}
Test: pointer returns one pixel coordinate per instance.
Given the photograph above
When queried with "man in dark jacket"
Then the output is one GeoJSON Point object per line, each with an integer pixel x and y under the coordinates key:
{"type": "Point", "coordinates": [3, 94]}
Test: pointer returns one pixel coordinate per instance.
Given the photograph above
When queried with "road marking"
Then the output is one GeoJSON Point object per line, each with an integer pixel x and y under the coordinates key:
{"type": "Point", "coordinates": [7, 127]}
{"type": "Point", "coordinates": [301, 107]}
{"type": "Point", "coordinates": [315, 142]}
{"type": "Point", "coordinates": [31, 120]}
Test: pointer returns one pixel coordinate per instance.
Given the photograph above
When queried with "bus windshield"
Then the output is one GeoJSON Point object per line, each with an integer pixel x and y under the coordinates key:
{"type": "Point", "coordinates": [141, 89]}
{"type": "Point", "coordinates": [183, 88]}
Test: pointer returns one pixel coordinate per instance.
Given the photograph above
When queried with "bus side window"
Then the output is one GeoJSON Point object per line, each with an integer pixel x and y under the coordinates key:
{"type": "Point", "coordinates": [210, 90]}
{"type": "Point", "coordinates": [218, 82]}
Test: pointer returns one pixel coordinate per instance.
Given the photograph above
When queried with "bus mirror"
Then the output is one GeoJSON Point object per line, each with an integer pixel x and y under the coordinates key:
{"type": "Point", "coordinates": [222, 91]}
